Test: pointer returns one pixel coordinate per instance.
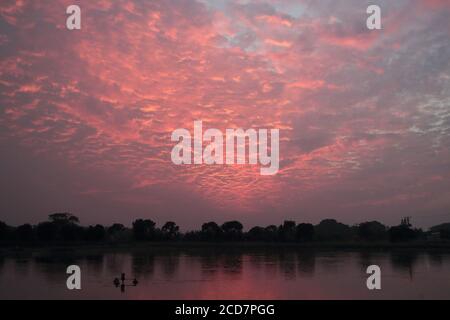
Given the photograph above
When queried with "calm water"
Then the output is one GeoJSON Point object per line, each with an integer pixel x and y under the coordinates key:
{"type": "Point", "coordinates": [227, 274]}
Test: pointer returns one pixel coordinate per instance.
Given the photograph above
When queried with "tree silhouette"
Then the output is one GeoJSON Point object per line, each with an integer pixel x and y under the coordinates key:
{"type": "Point", "coordinates": [64, 228]}
{"type": "Point", "coordinates": [372, 231]}
{"type": "Point", "coordinates": [143, 229]}
{"type": "Point", "coordinates": [331, 230]}
{"type": "Point", "coordinates": [116, 228]}
{"type": "Point", "coordinates": [305, 232]}
{"type": "Point", "coordinates": [211, 231]}
{"type": "Point", "coordinates": [63, 218]}
{"type": "Point", "coordinates": [70, 231]}
{"type": "Point", "coordinates": [46, 231]}
{"type": "Point", "coordinates": [256, 234]}
{"type": "Point", "coordinates": [4, 231]}
{"type": "Point", "coordinates": [271, 233]}
{"type": "Point", "coordinates": [287, 231]}
{"type": "Point", "coordinates": [95, 233]}
{"type": "Point", "coordinates": [170, 230]}
{"type": "Point", "coordinates": [24, 233]}
{"type": "Point", "coordinates": [232, 230]}
{"type": "Point", "coordinates": [117, 232]}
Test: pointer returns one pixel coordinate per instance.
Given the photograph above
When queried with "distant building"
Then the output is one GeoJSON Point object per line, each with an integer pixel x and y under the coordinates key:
{"type": "Point", "coordinates": [434, 236]}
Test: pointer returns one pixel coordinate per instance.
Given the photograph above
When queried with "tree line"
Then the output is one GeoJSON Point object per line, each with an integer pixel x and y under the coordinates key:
{"type": "Point", "coordinates": [66, 228]}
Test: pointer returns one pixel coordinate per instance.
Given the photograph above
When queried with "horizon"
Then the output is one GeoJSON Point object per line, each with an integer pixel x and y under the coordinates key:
{"type": "Point", "coordinates": [246, 227]}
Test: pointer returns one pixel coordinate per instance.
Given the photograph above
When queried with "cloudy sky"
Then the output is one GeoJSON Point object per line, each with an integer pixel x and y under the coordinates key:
{"type": "Point", "coordinates": [86, 116]}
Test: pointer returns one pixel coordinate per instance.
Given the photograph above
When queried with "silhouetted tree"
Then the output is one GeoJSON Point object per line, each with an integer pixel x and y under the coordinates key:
{"type": "Point", "coordinates": [271, 233]}
{"type": "Point", "coordinates": [256, 234]}
{"type": "Point", "coordinates": [46, 231]}
{"type": "Point", "coordinates": [96, 233]}
{"type": "Point", "coordinates": [64, 227]}
{"type": "Point", "coordinates": [4, 231]}
{"type": "Point", "coordinates": [287, 231]}
{"type": "Point", "coordinates": [170, 230]}
{"type": "Point", "coordinates": [24, 233]}
{"type": "Point", "coordinates": [143, 229]}
{"type": "Point", "coordinates": [232, 230]}
{"type": "Point", "coordinates": [372, 231]}
{"type": "Point", "coordinates": [193, 236]}
{"type": "Point", "coordinates": [116, 228]}
{"type": "Point", "coordinates": [118, 233]}
{"type": "Point", "coordinates": [63, 218]}
{"type": "Point", "coordinates": [70, 231]}
{"type": "Point", "coordinates": [331, 230]}
{"type": "Point", "coordinates": [305, 232]}
{"type": "Point", "coordinates": [211, 231]}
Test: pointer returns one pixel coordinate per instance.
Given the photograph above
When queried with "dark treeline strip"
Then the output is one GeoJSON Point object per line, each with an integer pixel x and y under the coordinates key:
{"type": "Point", "coordinates": [66, 228]}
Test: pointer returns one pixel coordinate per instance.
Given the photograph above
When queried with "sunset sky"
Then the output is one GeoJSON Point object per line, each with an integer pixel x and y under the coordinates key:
{"type": "Point", "coordinates": [86, 116]}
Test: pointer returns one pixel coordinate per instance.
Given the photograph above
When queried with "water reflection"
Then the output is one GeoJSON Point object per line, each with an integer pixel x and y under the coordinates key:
{"type": "Point", "coordinates": [94, 263]}
{"type": "Point", "coordinates": [306, 263]}
{"type": "Point", "coordinates": [232, 264]}
{"type": "Point", "coordinates": [115, 263]}
{"type": "Point", "coordinates": [143, 264]}
{"type": "Point", "coordinates": [225, 273]}
{"type": "Point", "coordinates": [404, 261]}
{"type": "Point", "coordinates": [209, 261]}
{"type": "Point", "coordinates": [52, 266]}
{"type": "Point", "coordinates": [170, 264]}
{"type": "Point", "coordinates": [287, 262]}
{"type": "Point", "coordinates": [2, 262]}
{"type": "Point", "coordinates": [437, 259]}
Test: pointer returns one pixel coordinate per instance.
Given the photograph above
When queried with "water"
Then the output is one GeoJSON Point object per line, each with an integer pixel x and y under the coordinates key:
{"type": "Point", "coordinates": [206, 273]}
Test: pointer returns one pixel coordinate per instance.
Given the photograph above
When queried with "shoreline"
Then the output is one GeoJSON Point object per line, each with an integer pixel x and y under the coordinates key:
{"type": "Point", "coordinates": [321, 246]}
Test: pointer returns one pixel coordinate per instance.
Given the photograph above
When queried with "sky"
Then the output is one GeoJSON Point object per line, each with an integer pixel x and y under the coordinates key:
{"type": "Point", "coordinates": [86, 116]}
